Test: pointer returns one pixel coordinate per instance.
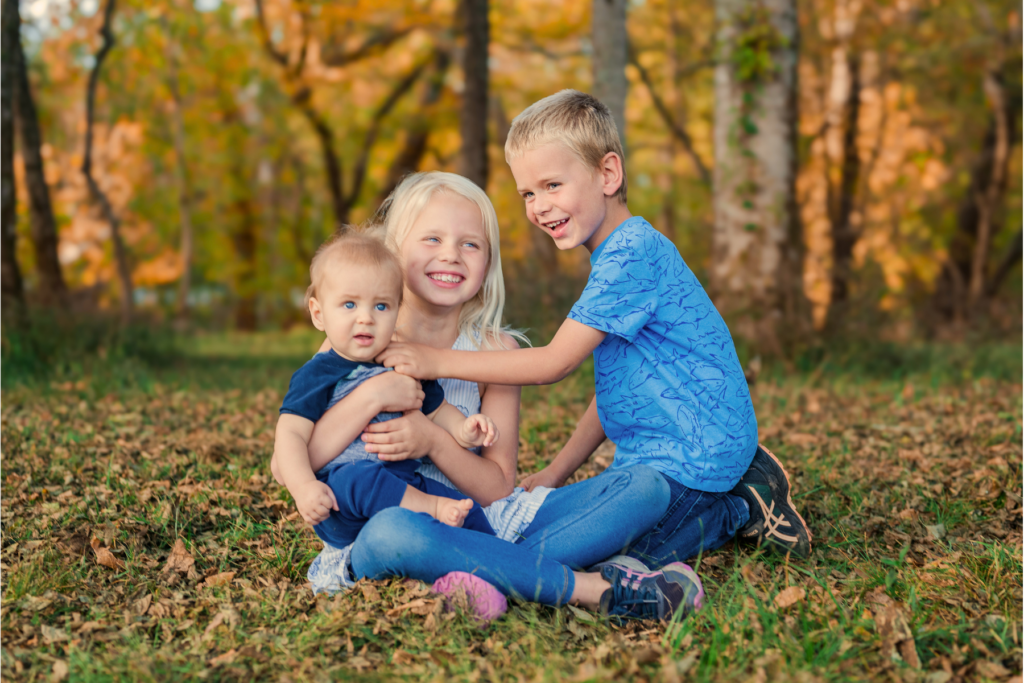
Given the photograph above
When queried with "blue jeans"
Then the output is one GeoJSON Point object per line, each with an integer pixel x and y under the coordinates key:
{"type": "Point", "coordinates": [578, 525]}
{"type": "Point", "coordinates": [366, 487]}
{"type": "Point", "coordinates": [696, 522]}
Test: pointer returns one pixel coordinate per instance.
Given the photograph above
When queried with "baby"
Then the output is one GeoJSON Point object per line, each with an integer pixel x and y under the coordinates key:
{"type": "Point", "coordinates": [354, 297]}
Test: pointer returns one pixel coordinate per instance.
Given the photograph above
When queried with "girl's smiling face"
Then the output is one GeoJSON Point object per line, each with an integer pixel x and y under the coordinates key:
{"type": "Point", "coordinates": [445, 255]}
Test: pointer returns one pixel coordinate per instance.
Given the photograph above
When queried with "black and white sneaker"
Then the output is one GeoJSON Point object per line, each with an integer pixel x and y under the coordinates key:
{"type": "Point", "coordinates": [774, 522]}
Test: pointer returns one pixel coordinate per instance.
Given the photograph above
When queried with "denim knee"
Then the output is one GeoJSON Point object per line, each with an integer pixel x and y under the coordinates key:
{"type": "Point", "coordinates": [649, 486]}
{"type": "Point", "coordinates": [388, 538]}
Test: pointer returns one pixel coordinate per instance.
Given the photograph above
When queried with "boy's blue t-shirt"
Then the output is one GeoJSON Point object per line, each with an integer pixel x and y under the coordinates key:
{"type": "Point", "coordinates": [670, 390]}
{"type": "Point", "coordinates": [327, 378]}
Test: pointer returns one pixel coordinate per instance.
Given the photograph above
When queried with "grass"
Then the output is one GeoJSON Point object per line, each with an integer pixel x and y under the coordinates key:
{"type": "Point", "coordinates": [908, 473]}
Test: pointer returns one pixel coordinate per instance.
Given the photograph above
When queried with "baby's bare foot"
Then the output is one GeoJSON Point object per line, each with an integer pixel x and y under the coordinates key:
{"type": "Point", "coordinates": [453, 512]}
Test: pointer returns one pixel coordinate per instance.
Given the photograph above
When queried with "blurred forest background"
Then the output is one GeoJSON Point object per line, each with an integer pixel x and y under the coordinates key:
{"type": "Point", "coordinates": [831, 169]}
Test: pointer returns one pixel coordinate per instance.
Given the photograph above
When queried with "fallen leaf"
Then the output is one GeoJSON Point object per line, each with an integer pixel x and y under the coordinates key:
{"type": "Point", "coordinates": [59, 671]}
{"type": "Point", "coordinates": [370, 593]}
{"type": "Point", "coordinates": [892, 625]}
{"type": "Point", "coordinates": [53, 635]}
{"type": "Point", "coordinates": [226, 658]}
{"type": "Point", "coordinates": [219, 579]}
{"type": "Point", "coordinates": [179, 560]}
{"type": "Point", "coordinates": [990, 669]}
{"type": "Point", "coordinates": [105, 557]}
{"type": "Point", "coordinates": [229, 616]}
{"type": "Point", "coordinates": [36, 603]}
{"type": "Point", "coordinates": [401, 657]}
{"type": "Point", "coordinates": [582, 615]}
{"type": "Point", "coordinates": [141, 606]}
{"type": "Point", "coordinates": [420, 606]}
{"type": "Point", "coordinates": [936, 531]}
{"type": "Point", "coordinates": [789, 597]}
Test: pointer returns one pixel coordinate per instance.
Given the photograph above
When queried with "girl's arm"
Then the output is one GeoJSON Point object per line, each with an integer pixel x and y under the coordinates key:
{"type": "Point", "coordinates": [346, 420]}
{"type": "Point", "coordinates": [542, 365]}
{"type": "Point", "coordinates": [584, 441]}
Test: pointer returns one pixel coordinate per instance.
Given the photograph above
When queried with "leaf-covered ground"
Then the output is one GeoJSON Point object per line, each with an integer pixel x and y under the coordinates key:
{"type": "Point", "coordinates": [143, 539]}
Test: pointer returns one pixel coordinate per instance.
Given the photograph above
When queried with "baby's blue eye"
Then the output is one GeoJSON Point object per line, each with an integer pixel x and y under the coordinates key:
{"type": "Point", "coordinates": [382, 307]}
{"type": "Point", "coordinates": [349, 304]}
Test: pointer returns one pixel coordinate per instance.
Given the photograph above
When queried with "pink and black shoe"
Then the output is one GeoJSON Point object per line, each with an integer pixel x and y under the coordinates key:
{"type": "Point", "coordinates": [674, 589]}
{"type": "Point", "coordinates": [472, 594]}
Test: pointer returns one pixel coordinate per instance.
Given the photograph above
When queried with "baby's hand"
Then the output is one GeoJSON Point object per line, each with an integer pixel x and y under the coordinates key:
{"type": "Point", "coordinates": [478, 430]}
{"type": "Point", "coordinates": [314, 500]}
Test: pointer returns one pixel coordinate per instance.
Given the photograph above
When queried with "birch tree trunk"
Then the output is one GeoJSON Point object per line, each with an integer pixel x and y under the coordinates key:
{"type": "Point", "coordinates": [756, 256]}
{"type": "Point", "coordinates": [473, 117]}
{"type": "Point", "coordinates": [52, 288]}
{"type": "Point", "coordinates": [12, 290]}
{"type": "Point", "coordinates": [611, 53]}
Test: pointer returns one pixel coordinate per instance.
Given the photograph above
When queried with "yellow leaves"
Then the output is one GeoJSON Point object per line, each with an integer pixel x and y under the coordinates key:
{"type": "Point", "coordinates": [105, 557]}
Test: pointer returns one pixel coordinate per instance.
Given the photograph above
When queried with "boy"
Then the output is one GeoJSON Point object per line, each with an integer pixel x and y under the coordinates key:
{"type": "Point", "coordinates": [670, 392]}
{"type": "Point", "coordinates": [354, 297]}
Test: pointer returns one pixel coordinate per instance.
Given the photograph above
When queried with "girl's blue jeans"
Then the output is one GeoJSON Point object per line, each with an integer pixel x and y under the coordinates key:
{"type": "Point", "coordinates": [578, 526]}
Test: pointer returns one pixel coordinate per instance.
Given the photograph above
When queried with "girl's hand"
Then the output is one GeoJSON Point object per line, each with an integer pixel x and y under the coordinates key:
{"type": "Point", "coordinates": [315, 500]}
{"type": "Point", "coordinates": [546, 477]}
{"type": "Point", "coordinates": [414, 360]}
{"type": "Point", "coordinates": [478, 430]}
{"type": "Point", "coordinates": [404, 438]}
{"type": "Point", "coordinates": [393, 393]}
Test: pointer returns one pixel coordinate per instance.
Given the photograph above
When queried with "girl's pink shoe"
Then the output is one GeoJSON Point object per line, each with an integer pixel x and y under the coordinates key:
{"type": "Point", "coordinates": [472, 594]}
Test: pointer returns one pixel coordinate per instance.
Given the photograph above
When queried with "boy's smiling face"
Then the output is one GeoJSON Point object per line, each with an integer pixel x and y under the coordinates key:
{"type": "Point", "coordinates": [572, 203]}
{"type": "Point", "coordinates": [357, 306]}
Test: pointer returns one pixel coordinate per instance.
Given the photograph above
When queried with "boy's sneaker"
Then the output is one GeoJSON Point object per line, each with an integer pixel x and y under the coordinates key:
{"type": "Point", "coordinates": [650, 595]}
{"type": "Point", "coordinates": [774, 522]}
{"type": "Point", "coordinates": [473, 594]}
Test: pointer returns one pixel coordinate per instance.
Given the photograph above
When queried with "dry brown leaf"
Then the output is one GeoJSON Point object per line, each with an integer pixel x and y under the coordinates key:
{"type": "Point", "coordinates": [59, 671]}
{"type": "Point", "coordinates": [891, 624]}
{"type": "Point", "coordinates": [229, 616]}
{"type": "Point", "coordinates": [226, 658]}
{"type": "Point", "coordinates": [402, 658]}
{"type": "Point", "coordinates": [990, 669]}
{"type": "Point", "coordinates": [789, 597]}
{"type": "Point", "coordinates": [141, 606]}
{"type": "Point", "coordinates": [370, 593]}
{"type": "Point", "coordinates": [105, 557]}
{"type": "Point", "coordinates": [179, 560]}
{"type": "Point", "coordinates": [219, 579]}
{"type": "Point", "coordinates": [53, 635]}
{"type": "Point", "coordinates": [419, 606]}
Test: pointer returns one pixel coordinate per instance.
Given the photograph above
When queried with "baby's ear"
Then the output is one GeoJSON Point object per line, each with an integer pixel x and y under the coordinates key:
{"type": "Point", "coordinates": [316, 314]}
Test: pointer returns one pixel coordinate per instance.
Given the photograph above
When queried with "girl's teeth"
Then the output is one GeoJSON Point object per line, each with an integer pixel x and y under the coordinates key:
{"type": "Point", "coordinates": [446, 278]}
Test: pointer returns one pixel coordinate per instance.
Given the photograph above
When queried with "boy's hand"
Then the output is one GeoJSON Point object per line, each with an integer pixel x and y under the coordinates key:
{"type": "Point", "coordinates": [404, 438]}
{"type": "Point", "coordinates": [546, 477]}
{"type": "Point", "coordinates": [314, 500]}
{"type": "Point", "coordinates": [414, 360]}
{"type": "Point", "coordinates": [478, 430]}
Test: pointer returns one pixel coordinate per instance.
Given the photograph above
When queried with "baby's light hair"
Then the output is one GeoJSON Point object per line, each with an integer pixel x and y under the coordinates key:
{"type": "Point", "coordinates": [480, 318]}
{"type": "Point", "coordinates": [575, 119]}
{"type": "Point", "coordinates": [352, 247]}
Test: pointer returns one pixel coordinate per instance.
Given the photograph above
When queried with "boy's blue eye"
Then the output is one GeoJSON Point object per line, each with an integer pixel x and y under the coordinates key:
{"type": "Point", "coordinates": [551, 185]}
{"type": "Point", "coordinates": [349, 304]}
{"type": "Point", "coordinates": [382, 307]}
{"type": "Point", "coordinates": [527, 195]}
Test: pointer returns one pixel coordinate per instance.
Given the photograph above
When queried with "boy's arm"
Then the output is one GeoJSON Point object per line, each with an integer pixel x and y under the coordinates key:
{"type": "Point", "coordinates": [573, 342]}
{"type": "Point", "coordinates": [313, 498]}
{"type": "Point", "coordinates": [584, 441]}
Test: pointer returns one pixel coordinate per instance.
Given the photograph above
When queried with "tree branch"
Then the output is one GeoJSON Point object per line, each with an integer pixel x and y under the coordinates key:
{"type": "Point", "coordinates": [400, 89]}
{"type": "Point", "coordinates": [666, 115]}
{"type": "Point", "coordinates": [332, 56]}
{"type": "Point", "coordinates": [120, 254]}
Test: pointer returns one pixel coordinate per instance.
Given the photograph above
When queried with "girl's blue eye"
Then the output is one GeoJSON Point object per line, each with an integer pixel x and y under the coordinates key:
{"type": "Point", "coordinates": [382, 307]}
{"type": "Point", "coordinates": [349, 304]}
{"type": "Point", "coordinates": [433, 239]}
{"type": "Point", "coordinates": [471, 244]}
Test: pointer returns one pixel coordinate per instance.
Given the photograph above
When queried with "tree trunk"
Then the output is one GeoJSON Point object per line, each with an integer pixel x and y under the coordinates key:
{"type": "Point", "coordinates": [473, 116]}
{"type": "Point", "coordinates": [756, 263]}
{"type": "Point", "coordinates": [120, 253]}
{"type": "Point", "coordinates": [12, 290]}
{"type": "Point", "coordinates": [52, 289]}
{"type": "Point", "coordinates": [181, 176]}
{"type": "Point", "coordinates": [611, 53]}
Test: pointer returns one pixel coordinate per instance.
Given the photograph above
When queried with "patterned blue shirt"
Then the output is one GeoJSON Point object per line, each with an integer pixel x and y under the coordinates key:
{"type": "Point", "coordinates": [670, 390]}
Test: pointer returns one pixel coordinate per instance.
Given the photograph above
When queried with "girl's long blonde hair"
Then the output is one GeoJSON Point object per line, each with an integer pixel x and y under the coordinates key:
{"type": "Point", "coordinates": [480, 318]}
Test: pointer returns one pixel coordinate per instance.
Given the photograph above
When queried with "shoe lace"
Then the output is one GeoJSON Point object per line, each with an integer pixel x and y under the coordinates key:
{"type": "Point", "coordinates": [637, 598]}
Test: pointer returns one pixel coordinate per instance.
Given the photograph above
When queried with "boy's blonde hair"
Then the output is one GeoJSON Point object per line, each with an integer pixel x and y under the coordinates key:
{"type": "Point", "coordinates": [480, 318]}
{"type": "Point", "coordinates": [573, 118]}
{"type": "Point", "coordinates": [353, 248]}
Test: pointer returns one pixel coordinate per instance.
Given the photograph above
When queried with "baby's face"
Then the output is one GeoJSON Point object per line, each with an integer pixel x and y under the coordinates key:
{"type": "Point", "coordinates": [357, 306]}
